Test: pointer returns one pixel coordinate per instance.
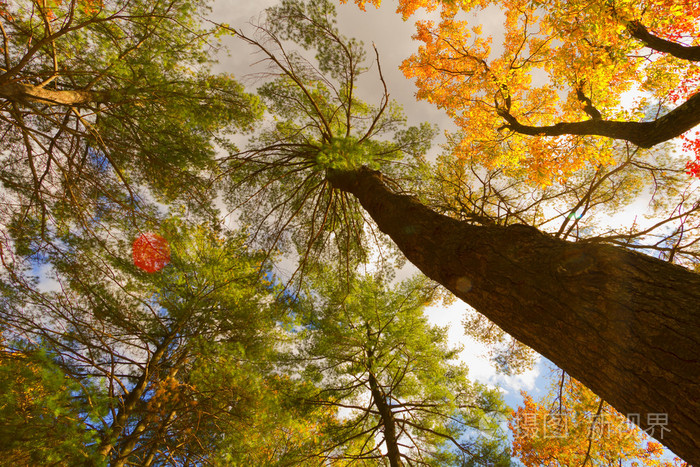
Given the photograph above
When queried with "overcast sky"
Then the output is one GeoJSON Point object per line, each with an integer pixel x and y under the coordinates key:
{"type": "Point", "coordinates": [383, 27]}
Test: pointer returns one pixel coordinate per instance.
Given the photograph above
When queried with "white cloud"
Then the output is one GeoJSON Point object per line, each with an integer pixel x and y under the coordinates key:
{"type": "Point", "coordinates": [475, 355]}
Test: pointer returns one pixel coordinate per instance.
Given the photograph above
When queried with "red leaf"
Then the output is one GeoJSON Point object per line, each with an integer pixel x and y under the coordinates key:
{"type": "Point", "coordinates": [151, 252]}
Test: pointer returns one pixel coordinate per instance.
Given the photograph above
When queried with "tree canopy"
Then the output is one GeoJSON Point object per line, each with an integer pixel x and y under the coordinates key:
{"type": "Point", "coordinates": [373, 354]}
{"type": "Point", "coordinates": [104, 103]}
{"type": "Point", "coordinates": [285, 339]}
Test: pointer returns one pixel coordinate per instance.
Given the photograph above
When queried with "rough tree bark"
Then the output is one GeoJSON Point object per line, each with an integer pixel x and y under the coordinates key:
{"type": "Point", "coordinates": [685, 52]}
{"type": "Point", "coordinates": [624, 324]}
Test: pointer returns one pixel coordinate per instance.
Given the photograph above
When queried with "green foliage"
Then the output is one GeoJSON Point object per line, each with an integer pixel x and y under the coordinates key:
{"type": "Point", "coordinates": [150, 113]}
{"type": "Point", "coordinates": [317, 124]}
{"type": "Point", "coordinates": [45, 417]}
{"type": "Point", "coordinates": [345, 154]}
{"type": "Point", "coordinates": [310, 25]}
{"type": "Point", "coordinates": [259, 419]}
{"type": "Point", "coordinates": [188, 338]}
{"type": "Point", "coordinates": [369, 342]}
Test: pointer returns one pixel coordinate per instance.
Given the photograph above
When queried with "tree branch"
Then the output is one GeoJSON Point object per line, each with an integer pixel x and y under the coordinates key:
{"type": "Point", "coordinates": [23, 93]}
{"type": "Point", "coordinates": [589, 108]}
{"type": "Point", "coordinates": [639, 31]}
{"type": "Point", "coordinates": [643, 134]}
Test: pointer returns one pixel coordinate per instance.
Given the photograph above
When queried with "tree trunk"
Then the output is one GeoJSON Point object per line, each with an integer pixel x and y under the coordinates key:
{"type": "Point", "coordinates": [125, 450]}
{"type": "Point", "coordinates": [624, 324]}
{"type": "Point", "coordinates": [388, 422]}
{"type": "Point", "coordinates": [132, 398]}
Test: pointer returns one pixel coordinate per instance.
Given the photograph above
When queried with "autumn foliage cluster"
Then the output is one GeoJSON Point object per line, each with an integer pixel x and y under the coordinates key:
{"type": "Point", "coordinates": [558, 61]}
{"type": "Point", "coordinates": [572, 426]}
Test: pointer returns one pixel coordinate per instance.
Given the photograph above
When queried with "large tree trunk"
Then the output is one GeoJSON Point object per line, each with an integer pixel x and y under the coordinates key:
{"type": "Point", "coordinates": [624, 324]}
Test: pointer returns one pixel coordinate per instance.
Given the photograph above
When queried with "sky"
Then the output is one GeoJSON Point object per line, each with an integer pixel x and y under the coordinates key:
{"type": "Point", "coordinates": [383, 27]}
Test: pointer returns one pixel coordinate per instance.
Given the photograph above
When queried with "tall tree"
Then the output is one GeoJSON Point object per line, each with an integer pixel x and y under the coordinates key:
{"type": "Point", "coordinates": [404, 399]}
{"type": "Point", "coordinates": [152, 369]}
{"type": "Point", "coordinates": [320, 124]}
{"type": "Point", "coordinates": [623, 323]}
